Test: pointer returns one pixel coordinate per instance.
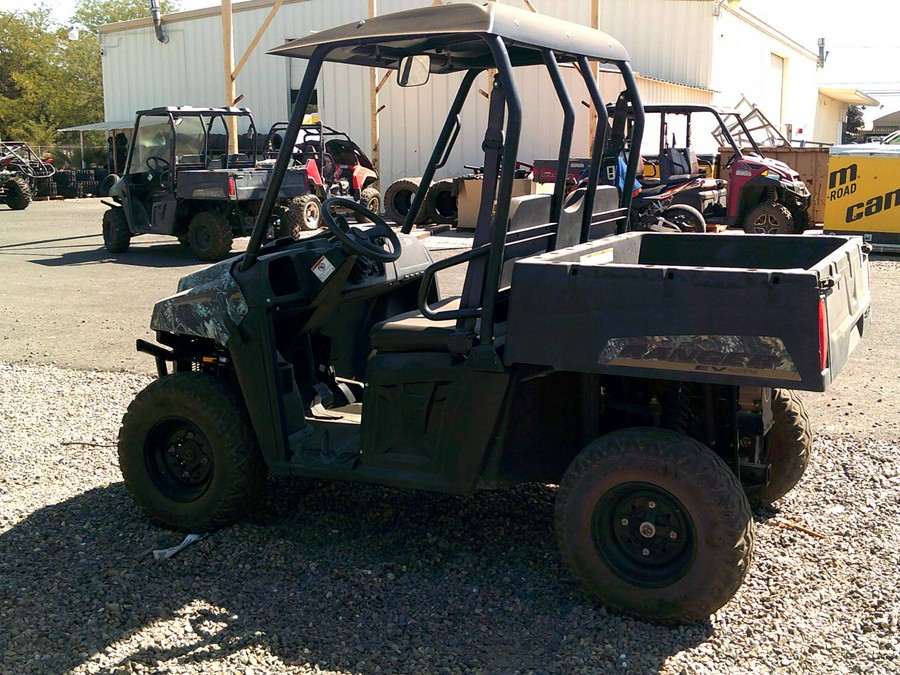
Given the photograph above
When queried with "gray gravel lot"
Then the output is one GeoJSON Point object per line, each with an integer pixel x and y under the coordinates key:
{"type": "Point", "coordinates": [343, 578]}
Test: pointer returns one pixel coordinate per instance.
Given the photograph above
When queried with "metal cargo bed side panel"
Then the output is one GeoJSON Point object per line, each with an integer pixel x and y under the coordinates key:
{"type": "Point", "coordinates": [583, 310]}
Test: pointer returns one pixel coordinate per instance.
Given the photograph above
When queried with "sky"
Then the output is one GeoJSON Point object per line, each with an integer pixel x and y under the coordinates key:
{"type": "Point", "coordinates": [861, 38]}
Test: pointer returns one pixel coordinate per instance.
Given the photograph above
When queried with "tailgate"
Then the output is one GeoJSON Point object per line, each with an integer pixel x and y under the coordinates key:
{"type": "Point", "coordinates": [743, 309]}
{"type": "Point", "coordinates": [844, 280]}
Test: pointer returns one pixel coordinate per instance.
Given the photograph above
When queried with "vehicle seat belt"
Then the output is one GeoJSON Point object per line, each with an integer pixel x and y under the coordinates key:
{"type": "Point", "coordinates": [473, 288]}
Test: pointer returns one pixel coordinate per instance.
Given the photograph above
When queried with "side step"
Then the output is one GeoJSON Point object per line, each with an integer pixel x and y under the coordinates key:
{"type": "Point", "coordinates": [329, 439]}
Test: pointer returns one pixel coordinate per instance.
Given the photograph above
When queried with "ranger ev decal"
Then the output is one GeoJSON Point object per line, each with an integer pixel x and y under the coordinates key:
{"type": "Point", "coordinates": [210, 309]}
{"type": "Point", "coordinates": [746, 355]}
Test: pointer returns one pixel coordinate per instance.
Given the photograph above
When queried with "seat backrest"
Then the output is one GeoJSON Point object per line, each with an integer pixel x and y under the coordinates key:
{"type": "Point", "coordinates": [524, 234]}
{"type": "Point", "coordinates": [606, 200]}
{"type": "Point", "coordinates": [681, 161]}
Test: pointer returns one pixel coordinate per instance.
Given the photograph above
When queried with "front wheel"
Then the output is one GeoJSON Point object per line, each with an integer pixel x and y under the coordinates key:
{"type": "Point", "coordinates": [188, 453]}
{"type": "Point", "coordinates": [769, 218]}
{"type": "Point", "coordinates": [116, 235]}
{"type": "Point", "coordinates": [210, 236]}
{"type": "Point", "coordinates": [370, 199]}
{"type": "Point", "coordinates": [18, 193]}
{"type": "Point", "coordinates": [655, 525]}
{"type": "Point", "coordinates": [307, 214]}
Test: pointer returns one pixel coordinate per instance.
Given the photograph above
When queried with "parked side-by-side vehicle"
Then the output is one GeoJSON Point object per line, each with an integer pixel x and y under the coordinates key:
{"type": "Point", "coordinates": [651, 376]}
{"type": "Point", "coordinates": [193, 173]}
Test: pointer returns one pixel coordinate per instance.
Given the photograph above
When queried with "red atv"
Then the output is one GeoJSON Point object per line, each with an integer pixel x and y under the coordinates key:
{"type": "Point", "coordinates": [764, 195]}
{"type": "Point", "coordinates": [335, 166]}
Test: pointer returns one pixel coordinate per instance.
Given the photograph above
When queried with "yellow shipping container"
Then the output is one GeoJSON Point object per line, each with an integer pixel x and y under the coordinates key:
{"type": "Point", "coordinates": [863, 194]}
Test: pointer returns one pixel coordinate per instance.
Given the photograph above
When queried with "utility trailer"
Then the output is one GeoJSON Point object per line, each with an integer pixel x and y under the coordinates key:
{"type": "Point", "coordinates": [650, 376]}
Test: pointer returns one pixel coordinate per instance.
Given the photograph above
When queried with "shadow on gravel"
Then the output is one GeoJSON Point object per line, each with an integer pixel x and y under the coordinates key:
{"type": "Point", "coordinates": [342, 576]}
{"type": "Point", "coordinates": [152, 255]}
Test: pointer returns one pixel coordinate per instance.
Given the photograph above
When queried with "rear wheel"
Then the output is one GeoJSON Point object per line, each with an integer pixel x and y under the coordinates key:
{"type": "Point", "coordinates": [685, 217]}
{"type": "Point", "coordinates": [307, 214]}
{"type": "Point", "coordinates": [655, 525]}
{"type": "Point", "coordinates": [116, 235]}
{"type": "Point", "coordinates": [769, 218]}
{"type": "Point", "coordinates": [18, 193]}
{"type": "Point", "coordinates": [210, 236]}
{"type": "Point", "coordinates": [188, 454]}
{"type": "Point", "coordinates": [788, 446]}
{"type": "Point", "coordinates": [369, 198]}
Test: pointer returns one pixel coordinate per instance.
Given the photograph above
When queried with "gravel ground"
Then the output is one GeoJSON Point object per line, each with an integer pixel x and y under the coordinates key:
{"type": "Point", "coordinates": [342, 578]}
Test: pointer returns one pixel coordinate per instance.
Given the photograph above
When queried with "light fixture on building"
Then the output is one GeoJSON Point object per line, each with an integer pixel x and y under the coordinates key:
{"type": "Point", "coordinates": [734, 4]}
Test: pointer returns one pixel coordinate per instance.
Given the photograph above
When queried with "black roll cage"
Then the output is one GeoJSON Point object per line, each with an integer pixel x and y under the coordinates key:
{"type": "Point", "coordinates": [490, 240]}
{"type": "Point", "coordinates": [212, 113]}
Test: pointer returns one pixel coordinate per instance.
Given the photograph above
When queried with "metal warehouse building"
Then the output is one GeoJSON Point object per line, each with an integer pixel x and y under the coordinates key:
{"type": "Point", "coordinates": [699, 51]}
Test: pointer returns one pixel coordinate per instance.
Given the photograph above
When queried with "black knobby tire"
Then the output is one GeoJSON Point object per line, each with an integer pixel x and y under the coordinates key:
{"type": "Point", "coordinates": [441, 204]}
{"type": "Point", "coordinates": [369, 198]}
{"type": "Point", "coordinates": [801, 219]}
{"type": "Point", "coordinates": [685, 217]}
{"type": "Point", "coordinates": [307, 214]}
{"type": "Point", "coordinates": [620, 502]}
{"type": "Point", "coordinates": [18, 193]}
{"type": "Point", "coordinates": [286, 222]}
{"type": "Point", "coordinates": [769, 218]}
{"type": "Point", "coordinates": [398, 201]}
{"type": "Point", "coordinates": [210, 236]}
{"type": "Point", "coordinates": [116, 235]}
{"type": "Point", "coordinates": [788, 446]}
{"type": "Point", "coordinates": [188, 453]}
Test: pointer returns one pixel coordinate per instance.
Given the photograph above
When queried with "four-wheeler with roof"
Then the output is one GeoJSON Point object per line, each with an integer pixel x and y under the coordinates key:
{"type": "Point", "coordinates": [649, 375]}
{"type": "Point", "coordinates": [760, 194]}
{"type": "Point", "coordinates": [189, 175]}
{"type": "Point", "coordinates": [335, 165]}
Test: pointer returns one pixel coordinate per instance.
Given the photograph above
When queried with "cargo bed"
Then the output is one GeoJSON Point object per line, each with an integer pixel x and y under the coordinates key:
{"type": "Point", "coordinates": [775, 311]}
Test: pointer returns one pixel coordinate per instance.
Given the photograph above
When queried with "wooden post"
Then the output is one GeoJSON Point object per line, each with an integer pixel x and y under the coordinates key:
{"type": "Point", "coordinates": [374, 109]}
{"type": "Point", "coordinates": [228, 53]}
{"type": "Point", "coordinates": [595, 73]}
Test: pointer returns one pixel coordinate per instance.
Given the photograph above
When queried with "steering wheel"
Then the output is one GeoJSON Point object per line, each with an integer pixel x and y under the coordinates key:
{"type": "Point", "coordinates": [358, 240]}
{"type": "Point", "coordinates": [158, 164]}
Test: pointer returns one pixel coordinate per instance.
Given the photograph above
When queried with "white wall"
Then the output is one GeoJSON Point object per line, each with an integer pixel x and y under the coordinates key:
{"type": "Point", "coordinates": [742, 65]}
{"type": "Point", "coordinates": [668, 40]}
{"type": "Point", "coordinates": [830, 118]}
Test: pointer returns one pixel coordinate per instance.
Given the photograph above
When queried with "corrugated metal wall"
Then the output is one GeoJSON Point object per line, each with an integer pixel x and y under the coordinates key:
{"type": "Point", "coordinates": [139, 72]}
{"type": "Point", "coordinates": [665, 39]}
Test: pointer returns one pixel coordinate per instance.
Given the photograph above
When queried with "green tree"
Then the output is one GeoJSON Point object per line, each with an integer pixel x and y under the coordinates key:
{"type": "Point", "coordinates": [855, 123]}
{"type": "Point", "coordinates": [49, 82]}
{"type": "Point", "coordinates": [94, 13]}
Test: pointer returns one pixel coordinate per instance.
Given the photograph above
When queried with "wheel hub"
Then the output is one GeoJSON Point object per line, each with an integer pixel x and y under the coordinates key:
{"type": "Point", "coordinates": [644, 534]}
{"type": "Point", "coordinates": [179, 459]}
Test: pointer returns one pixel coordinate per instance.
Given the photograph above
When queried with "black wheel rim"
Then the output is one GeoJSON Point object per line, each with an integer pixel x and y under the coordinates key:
{"type": "Point", "coordinates": [179, 459]}
{"type": "Point", "coordinates": [644, 534]}
{"type": "Point", "coordinates": [203, 238]}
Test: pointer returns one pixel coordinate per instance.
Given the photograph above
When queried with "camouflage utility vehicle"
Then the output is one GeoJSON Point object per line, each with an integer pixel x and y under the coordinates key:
{"type": "Point", "coordinates": [649, 375]}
